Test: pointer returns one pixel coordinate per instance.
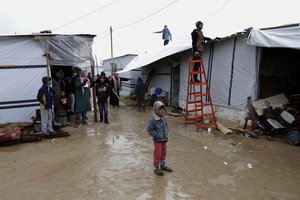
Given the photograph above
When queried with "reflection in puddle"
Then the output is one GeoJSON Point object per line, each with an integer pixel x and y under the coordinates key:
{"type": "Point", "coordinates": [118, 142]}
{"type": "Point", "coordinates": [143, 196]}
{"type": "Point", "coordinates": [222, 180]}
{"type": "Point", "coordinates": [91, 132]}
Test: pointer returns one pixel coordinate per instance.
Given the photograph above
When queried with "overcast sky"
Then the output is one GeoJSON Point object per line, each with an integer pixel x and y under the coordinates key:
{"type": "Point", "coordinates": [134, 21]}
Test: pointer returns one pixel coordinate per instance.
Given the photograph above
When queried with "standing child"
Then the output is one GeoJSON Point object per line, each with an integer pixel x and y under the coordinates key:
{"type": "Point", "coordinates": [158, 129]}
{"type": "Point", "coordinates": [62, 110]}
{"type": "Point", "coordinates": [102, 92]}
{"type": "Point", "coordinates": [45, 98]}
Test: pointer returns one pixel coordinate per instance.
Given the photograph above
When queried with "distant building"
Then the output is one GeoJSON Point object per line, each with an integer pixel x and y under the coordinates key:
{"type": "Point", "coordinates": [129, 78]}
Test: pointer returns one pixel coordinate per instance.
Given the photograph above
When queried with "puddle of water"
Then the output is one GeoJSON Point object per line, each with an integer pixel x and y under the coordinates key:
{"type": "Point", "coordinates": [144, 196]}
{"type": "Point", "coordinates": [222, 180]}
{"type": "Point", "coordinates": [118, 142]}
{"type": "Point", "coordinates": [91, 132]}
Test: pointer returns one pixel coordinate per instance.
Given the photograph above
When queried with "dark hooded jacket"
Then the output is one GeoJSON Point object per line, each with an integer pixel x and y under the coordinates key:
{"type": "Point", "coordinates": [158, 126]}
{"type": "Point", "coordinates": [45, 93]}
{"type": "Point", "coordinates": [102, 90]}
{"type": "Point", "coordinates": [140, 88]}
{"type": "Point", "coordinates": [198, 40]}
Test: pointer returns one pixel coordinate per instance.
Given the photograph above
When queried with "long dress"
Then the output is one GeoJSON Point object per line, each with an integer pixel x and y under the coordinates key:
{"type": "Point", "coordinates": [115, 91]}
{"type": "Point", "coordinates": [82, 96]}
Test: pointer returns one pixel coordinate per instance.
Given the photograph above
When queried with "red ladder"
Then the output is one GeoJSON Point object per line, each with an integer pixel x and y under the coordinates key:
{"type": "Point", "coordinates": [197, 92]}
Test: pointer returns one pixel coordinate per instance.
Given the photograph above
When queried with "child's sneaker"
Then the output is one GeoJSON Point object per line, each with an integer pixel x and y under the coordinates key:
{"type": "Point", "coordinates": [158, 172]}
{"type": "Point", "coordinates": [166, 168]}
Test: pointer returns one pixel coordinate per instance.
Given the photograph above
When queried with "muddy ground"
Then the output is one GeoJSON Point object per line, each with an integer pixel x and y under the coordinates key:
{"type": "Point", "coordinates": [100, 161]}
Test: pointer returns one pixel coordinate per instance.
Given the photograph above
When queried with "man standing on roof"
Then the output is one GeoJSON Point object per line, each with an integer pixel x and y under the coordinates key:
{"type": "Point", "coordinates": [198, 42]}
{"type": "Point", "coordinates": [166, 35]}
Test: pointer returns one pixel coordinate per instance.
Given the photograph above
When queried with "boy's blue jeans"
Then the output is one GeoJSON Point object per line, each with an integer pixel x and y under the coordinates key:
{"type": "Point", "coordinates": [103, 109]}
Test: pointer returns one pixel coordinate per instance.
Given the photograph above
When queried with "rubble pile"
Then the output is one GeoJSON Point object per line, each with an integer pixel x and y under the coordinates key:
{"type": "Point", "coordinates": [274, 117]}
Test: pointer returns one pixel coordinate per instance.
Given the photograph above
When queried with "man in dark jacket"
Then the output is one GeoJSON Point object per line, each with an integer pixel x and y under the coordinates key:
{"type": "Point", "coordinates": [140, 90]}
{"type": "Point", "coordinates": [45, 98]}
{"type": "Point", "coordinates": [102, 92]}
{"type": "Point", "coordinates": [198, 42]}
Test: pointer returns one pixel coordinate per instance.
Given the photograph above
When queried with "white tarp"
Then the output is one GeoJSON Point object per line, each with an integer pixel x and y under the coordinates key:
{"type": "Point", "coordinates": [21, 51]}
{"type": "Point", "coordinates": [231, 79]}
{"type": "Point", "coordinates": [170, 49]}
{"type": "Point", "coordinates": [285, 37]}
{"type": "Point", "coordinates": [68, 49]}
{"type": "Point", "coordinates": [23, 64]}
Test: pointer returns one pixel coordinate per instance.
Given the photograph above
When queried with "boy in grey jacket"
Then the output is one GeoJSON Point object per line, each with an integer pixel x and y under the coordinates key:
{"type": "Point", "coordinates": [158, 129]}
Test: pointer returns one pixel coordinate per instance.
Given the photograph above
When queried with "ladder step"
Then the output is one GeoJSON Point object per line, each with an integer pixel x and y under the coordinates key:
{"type": "Point", "coordinates": [204, 104]}
{"type": "Point", "coordinates": [199, 83]}
{"type": "Point", "coordinates": [195, 61]}
{"type": "Point", "coordinates": [197, 72]}
{"type": "Point", "coordinates": [204, 115]}
{"type": "Point", "coordinates": [195, 93]}
{"type": "Point", "coordinates": [194, 110]}
{"type": "Point", "coordinates": [201, 95]}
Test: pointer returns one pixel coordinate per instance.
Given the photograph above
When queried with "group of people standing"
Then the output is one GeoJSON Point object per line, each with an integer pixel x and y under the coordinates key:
{"type": "Point", "coordinates": [72, 96]}
{"type": "Point", "coordinates": [79, 94]}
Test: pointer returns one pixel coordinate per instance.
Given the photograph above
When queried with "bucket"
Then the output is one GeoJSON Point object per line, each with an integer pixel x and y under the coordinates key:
{"type": "Point", "coordinates": [293, 137]}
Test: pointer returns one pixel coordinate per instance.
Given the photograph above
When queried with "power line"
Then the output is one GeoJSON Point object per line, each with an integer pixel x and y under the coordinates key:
{"type": "Point", "coordinates": [100, 34]}
{"type": "Point", "coordinates": [83, 16]}
{"type": "Point", "coordinates": [137, 21]}
{"type": "Point", "coordinates": [217, 11]}
{"type": "Point", "coordinates": [132, 23]}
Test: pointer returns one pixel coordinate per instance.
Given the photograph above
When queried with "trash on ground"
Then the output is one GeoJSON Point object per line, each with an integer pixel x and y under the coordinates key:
{"type": "Point", "coordinates": [223, 129]}
{"type": "Point", "coordinates": [249, 165]}
{"type": "Point", "coordinates": [53, 141]}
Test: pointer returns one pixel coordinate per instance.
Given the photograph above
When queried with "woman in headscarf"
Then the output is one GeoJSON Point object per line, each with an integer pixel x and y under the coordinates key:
{"type": "Point", "coordinates": [116, 86]}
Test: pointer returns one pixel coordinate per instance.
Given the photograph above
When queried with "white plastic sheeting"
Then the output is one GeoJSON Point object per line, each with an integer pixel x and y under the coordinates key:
{"type": "Point", "coordinates": [23, 64]}
{"type": "Point", "coordinates": [68, 49]}
{"type": "Point", "coordinates": [237, 73]}
{"type": "Point", "coordinates": [21, 51]}
{"type": "Point", "coordinates": [233, 74]}
{"type": "Point", "coordinates": [285, 37]}
{"type": "Point", "coordinates": [146, 59]}
{"type": "Point", "coordinates": [20, 86]}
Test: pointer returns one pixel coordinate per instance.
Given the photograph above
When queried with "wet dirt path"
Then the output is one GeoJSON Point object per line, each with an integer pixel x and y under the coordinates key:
{"type": "Point", "coordinates": [114, 161]}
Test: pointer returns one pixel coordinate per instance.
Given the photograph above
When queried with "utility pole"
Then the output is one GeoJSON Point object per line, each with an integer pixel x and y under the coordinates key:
{"type": "Point", "coordinates": [111, 43]}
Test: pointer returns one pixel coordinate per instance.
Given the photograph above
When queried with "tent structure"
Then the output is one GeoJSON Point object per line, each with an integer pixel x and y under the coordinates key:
{"type": "Point", "coordinates": [237, 66]}
{"type": "Point", "coordinates": [129, 77]}
{"type": "Point", "coordinates": [25, 59]}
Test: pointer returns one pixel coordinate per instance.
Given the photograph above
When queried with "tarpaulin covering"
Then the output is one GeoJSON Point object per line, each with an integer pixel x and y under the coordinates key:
{"type": "Point", "coordinates": [148, 58]}
{"type": "Point", "coordinates": [23, 64]}
{"type": "Point", "coordinates": [283, 37]}
{"type": "Point", "coordinates": [68, 49]}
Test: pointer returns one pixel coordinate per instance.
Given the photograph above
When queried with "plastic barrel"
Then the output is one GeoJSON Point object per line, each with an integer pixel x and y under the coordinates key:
{"type": "Point", "coordinates": [294, 137]}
